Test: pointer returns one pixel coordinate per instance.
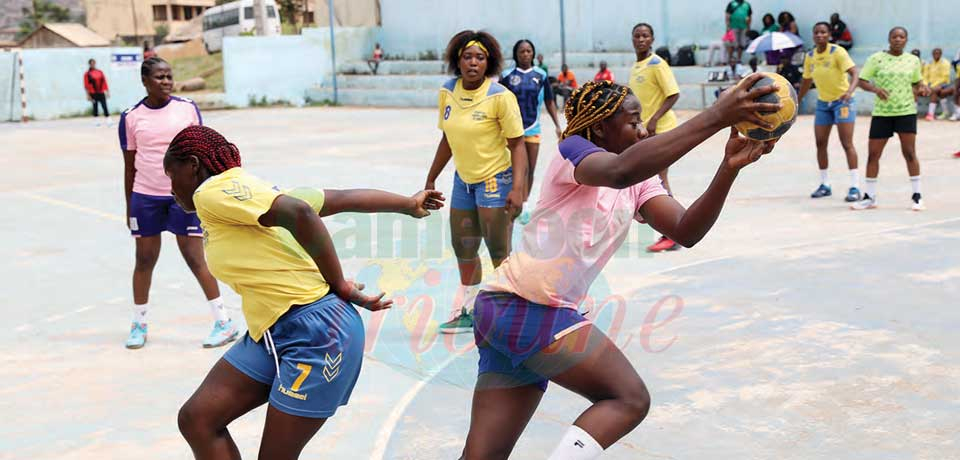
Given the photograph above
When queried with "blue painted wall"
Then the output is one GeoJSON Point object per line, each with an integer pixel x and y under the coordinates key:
{"type": "Point", "coordinates": [55, 82]}
{"type": "Point", "coordinates": [414, 26]}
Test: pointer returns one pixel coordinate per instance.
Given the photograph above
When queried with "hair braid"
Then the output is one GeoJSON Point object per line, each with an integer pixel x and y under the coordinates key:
{"type": "Point", "coordinates": [210, 147]}
{"type": "Point", "coordinates": [591, 103]}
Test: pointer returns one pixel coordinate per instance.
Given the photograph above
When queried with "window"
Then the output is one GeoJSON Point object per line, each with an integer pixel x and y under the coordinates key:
{"type": "Point", "coordinates": [198, 10]}
{"type": "Point", "coordinates": [177, 12]}
{"type": "Point", "coordinates": [188, 12]}
{"type": "Point", "coordinates": [248, 12]}
{"type": "Point", "coordinates": [159, 12]}
{"type": "Point", "coordinates": [222, 19]}
{"type": "Point", "coordinates": [271, 12]}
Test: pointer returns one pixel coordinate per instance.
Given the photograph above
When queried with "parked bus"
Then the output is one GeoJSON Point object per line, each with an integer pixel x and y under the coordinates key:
{"type": "Point", "coordinates": [235, 18]}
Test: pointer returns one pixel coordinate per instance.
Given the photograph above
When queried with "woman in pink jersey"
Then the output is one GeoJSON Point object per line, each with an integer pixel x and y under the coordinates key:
{"type": "Point", "coordinates": [526, 324]}
{"type": "Point", "coordinates": [145, 132]}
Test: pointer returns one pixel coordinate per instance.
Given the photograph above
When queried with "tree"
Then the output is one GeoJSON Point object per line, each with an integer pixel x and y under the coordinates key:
{"type": "Point", "coordinates": [44, 11]}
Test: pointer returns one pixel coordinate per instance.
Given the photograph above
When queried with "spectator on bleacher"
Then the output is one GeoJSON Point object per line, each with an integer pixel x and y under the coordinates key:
{"type": "Point", "coordinates": [788, 23]}
{"type": "Point", "coordinates": [566, 83]}
{"type": "Point", "coordinates": [936, 75]}
{"type": "Point", "coordinates": [542, 64]}
{"type": "Point", "coordinates": [769, 24]}
{"type": "Point", "coordinates": [738, 17]}
{"type": "Point", "coordinates": [604, 73]}
{"type": "Point", "coordinates": [839, 33]}
{"type": "Point", "coordinates": [95, 84]}
{"type": "Point", "coordinates": [374, 62]}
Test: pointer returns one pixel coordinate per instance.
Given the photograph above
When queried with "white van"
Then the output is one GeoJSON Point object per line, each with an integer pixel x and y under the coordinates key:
{"type": "Point", "coordinates": [232, 19]}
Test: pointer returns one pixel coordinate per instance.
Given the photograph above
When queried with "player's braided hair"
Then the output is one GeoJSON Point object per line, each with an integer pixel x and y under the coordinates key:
{"type": "Point", "coordinates": [209, 146]}
{"type": "Point", "coordinates": [591, 103]}
{"type": "Point", "coordinates": [149, 64]}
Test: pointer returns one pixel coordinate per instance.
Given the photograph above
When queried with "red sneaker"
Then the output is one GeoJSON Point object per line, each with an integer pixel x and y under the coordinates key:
{"type": "Point", "coordinates": [956, 155]}
{"type": "Point", "coordinates": [663, 244]}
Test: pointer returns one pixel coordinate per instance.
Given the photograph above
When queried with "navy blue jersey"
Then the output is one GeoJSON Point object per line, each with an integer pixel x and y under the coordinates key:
{"type": "Point", "coordinates": [531, 87]}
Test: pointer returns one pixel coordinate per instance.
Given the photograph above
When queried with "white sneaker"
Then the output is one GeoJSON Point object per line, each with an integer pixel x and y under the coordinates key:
{"type": "Point", "coordinates": [956, 116]}
{"type": "Point", "coordinates": [916, 203]}
{"type": "Point", "coordinates": [868, 202]}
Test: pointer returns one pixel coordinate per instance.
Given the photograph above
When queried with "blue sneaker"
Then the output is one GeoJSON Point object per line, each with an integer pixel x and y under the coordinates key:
{"type": "Point", "coordinates": [138, 336]}
{"type": "Point", "coordinates": [821, 191]}
{"type": "Point", "coordinates": [524, 217]}
{"type": "Point", "coordinates": [853, 195]}
{"type": "Point", "coordinates": [223, 333]}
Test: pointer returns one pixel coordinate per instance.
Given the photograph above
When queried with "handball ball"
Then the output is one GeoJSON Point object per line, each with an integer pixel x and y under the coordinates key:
{"type": "Point", "coordinates": [781, 119]}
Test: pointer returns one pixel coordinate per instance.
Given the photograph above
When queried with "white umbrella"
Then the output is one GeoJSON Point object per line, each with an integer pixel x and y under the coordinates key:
{"type": "Point", "coordinates": [774, 41]}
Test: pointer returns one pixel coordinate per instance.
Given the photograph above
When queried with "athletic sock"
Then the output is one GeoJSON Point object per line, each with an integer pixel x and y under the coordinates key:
{"type": "Point", "coordinates": [140, 313]}
{"type": "Point", "coordinates": [824, 177]}
{"type": "Point", "coordinates": [932, 110]}
{"type": "Point", "coordinates": [915, 183]}
{"type": "Point", "coordinates": [870, 187]}
{"type": "Point", "coordinates": [217, 310]}
{"type": "Point", "coordinates": [577, 445]}
{"type": "Point", "coordinates": [469, 296]}
{"type": "Point", "coordinates": [854, 178]}
{"type": "Point", "coordinates": [944, 104]}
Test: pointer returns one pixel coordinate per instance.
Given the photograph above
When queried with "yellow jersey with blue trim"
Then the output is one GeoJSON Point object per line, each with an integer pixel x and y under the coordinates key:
{"type": "Point", "coordinates": [937, 73]}
{"type": "Point", "coordinates": [477, 124]}
{"type": "Point", "coordinates": [265, 265]}
{"type": "Point", "coordinates": [652, 81]}
{"type": "Point", "coordinates": [828, 70]}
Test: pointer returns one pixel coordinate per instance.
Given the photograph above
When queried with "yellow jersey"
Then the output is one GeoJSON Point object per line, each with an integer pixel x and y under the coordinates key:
{"type": "Point", "coordinates": [828, 71]}
{"type": "Point", "coordinates": [477, 124]}
{"type": "Point", "coordinates": [652, 81]}
{"type": "Point", "coordinates": [265, 265]}
{"type": "Point", "coordinates": [937, 73]}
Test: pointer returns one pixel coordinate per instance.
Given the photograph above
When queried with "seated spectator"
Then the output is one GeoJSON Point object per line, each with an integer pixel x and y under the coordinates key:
{"type": "Point", "coordinates": [839, 32]}
{"type": "Point", "coordinates": [374, 62]}
{"type": "Point", "coordinates": [788, 23]}
{"type": "Point", "coordinates": [604, 73]}
{"type": "Point", "coordinates": [566, 83]}
{"type": "Point", "coordinates": [769, 24]}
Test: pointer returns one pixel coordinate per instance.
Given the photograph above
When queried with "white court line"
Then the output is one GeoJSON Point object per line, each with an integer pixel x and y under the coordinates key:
{"type": "Point", "coordinates": [75, 207]}
{"type": "Point", "coordinates": [390, 424]}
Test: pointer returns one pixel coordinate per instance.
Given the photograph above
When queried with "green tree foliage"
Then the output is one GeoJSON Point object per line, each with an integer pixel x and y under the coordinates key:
{"type": "Point", "coordinates": [43, 12]}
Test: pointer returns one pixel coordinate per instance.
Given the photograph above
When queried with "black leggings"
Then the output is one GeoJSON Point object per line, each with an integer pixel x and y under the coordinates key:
{"type": "Point", "coordinates": [102, 99]}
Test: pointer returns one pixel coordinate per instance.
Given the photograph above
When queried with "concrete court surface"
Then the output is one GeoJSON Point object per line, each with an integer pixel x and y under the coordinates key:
{"type": "Point", "coordinates": [796, 330]}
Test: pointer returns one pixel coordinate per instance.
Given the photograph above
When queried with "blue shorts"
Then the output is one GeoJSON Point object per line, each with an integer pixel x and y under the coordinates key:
{"type": "Point", "coordinates": [534, 130]}
{"type": "Point", "coordinates": [836, 112]}
{"type": "Point", "coordinates": [320, 347]}
{"type": "Point", "coordinates": [150, 215]}
{"type": "Point", "coordinates": [491, 193]}
{"type": "Point", "coordinates": [509, 329]}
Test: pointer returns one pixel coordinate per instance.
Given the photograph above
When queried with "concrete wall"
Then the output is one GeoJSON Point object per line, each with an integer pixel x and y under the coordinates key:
{"type": "Point", "coordinates": [283, 68]}
{"type": "Point", "coordinates": [55, 82]}
{"type": "Point", "coordinates": [411, 27]}
{"type": "Point", "coordinates": [275, 68]}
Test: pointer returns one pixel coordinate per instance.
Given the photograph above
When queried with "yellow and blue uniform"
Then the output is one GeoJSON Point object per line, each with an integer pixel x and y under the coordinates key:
{"type": "Point", "coordinates": [311, 341]}
{"type": "Point", "coordinates": [652, 81]}
{"type": "Point", "coordinates": [828, 70]}
{"type": "Point", "coordinates": [936, 74]}
{"type": "Point", "coordinates": [477, 124]}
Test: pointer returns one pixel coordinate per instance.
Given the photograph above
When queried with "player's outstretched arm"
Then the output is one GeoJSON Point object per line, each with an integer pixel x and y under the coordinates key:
{"type": "Point", "coordinates": [689, 226]}
{"type": "Point", "coordinates": [307, 228]}
{"type": "Point", "coordinates": [648, 157]}
{"type": "Point", "coordinates": [368, 200]}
